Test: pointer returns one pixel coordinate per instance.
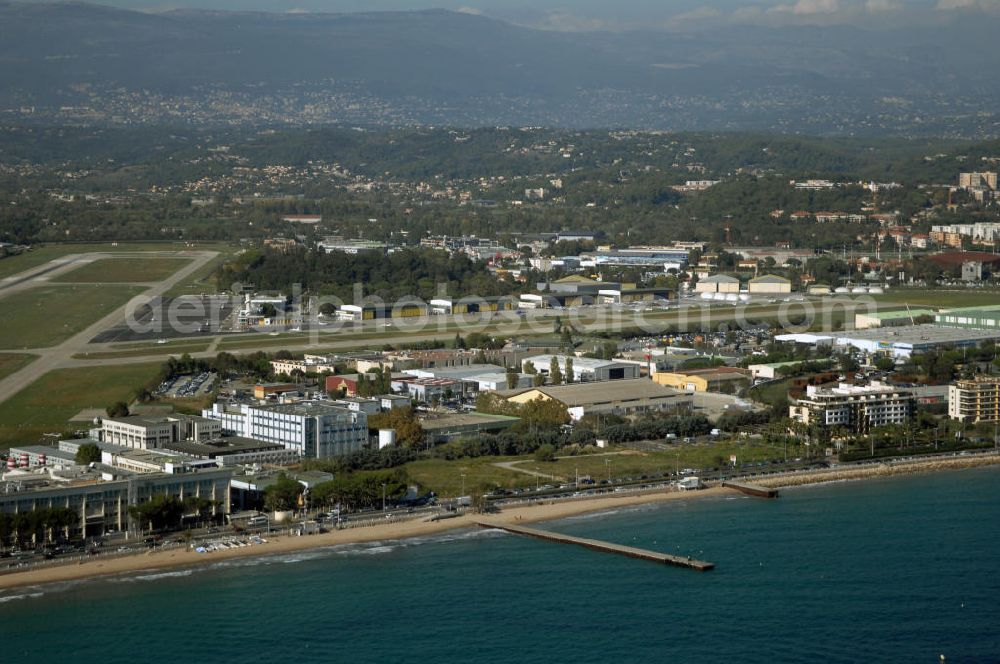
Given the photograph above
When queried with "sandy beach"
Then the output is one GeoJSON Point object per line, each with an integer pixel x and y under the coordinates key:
{"type": "Point", "coordinates": [177, 557]}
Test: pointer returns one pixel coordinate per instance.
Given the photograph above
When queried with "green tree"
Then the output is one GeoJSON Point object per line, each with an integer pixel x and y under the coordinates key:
{"type": "Point", "coordinates": [512, 378]}
{"type": "Point", "coordinates": [885, 364]}
{"type": "Point", "coordinates": [545, 453]}
{"type": "Point", "coordinates": [555, 373]}
{"type": "Point", "coordinates": [283, 494]}
{"type": "Point", "coordinates": [567, 339]}
{"type": "Point", "coordinates": [847, 363]}
{"type": "Point", "coordinates": [569, 370]}
{"type": "Point", "coordinates": [117, 409]}
{"type": "Point", "coordinates": [404, 421]}
{"type": "Point", "coordinates": [543, 413]}
{"type": "Point", "coordinates": [159, 512]}
{"type": "Point", "coordinates": [201, 508]}
{"type": "Point", "coordinates": [87, 453]}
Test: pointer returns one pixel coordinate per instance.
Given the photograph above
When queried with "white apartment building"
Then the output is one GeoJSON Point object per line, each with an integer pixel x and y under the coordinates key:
{"type": "Point", "coordinates": [859, 409]}
{"type": "Point", "coordinates": [314, 429]}
{"type": "Point", "coordinates": [982, 231]}
{"type": "Point", "coordinates": [975, 400]}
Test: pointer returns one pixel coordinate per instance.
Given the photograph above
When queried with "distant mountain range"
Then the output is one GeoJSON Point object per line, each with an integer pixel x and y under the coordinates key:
{"type": "Point", "coordinates": [94, 64]}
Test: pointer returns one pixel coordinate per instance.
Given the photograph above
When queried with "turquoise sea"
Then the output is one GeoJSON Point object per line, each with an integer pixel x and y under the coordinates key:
{"type": "Point", "coordinates": [897, 570]}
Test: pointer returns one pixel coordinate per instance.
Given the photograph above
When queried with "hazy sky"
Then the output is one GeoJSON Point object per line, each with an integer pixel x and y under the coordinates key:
{"type": "Point", "coordinates": [616, 14]}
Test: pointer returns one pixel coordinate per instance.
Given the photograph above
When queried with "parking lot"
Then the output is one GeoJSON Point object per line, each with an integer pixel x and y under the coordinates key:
{"type": "Point", "coordinates": [183, 387]}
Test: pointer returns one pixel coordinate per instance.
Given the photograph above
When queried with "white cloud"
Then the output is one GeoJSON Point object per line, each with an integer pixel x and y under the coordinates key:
{"type": "Point", "coordinates": [981, 5]}
{"type": "Point", "coordinates": [698, 14]}
{"type": "Point", "coordinates": [876, 6]}
{"type": "Point", "coordinates": [809, 7]}
{"type": "Point", "coordinates": [470, 10]}
{"type": "Point", "coordinates": [565, 21]}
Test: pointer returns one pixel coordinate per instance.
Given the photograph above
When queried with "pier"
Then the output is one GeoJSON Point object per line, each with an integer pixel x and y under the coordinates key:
{"type": "Point", "coordinates": [752, 489]}
{"type": "Point", "coordinates": [607, 547]}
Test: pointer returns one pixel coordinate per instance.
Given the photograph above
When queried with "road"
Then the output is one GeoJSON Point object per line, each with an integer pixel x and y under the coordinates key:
{"type": "Point", "coordinates": [60, 356]}
{"type": "Point", "coordinates": [513, 465]}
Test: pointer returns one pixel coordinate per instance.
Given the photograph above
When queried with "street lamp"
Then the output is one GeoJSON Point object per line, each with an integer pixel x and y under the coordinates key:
{"type": "Point", "coordinates": [463, 484]}
{"type": "Point", "coordinates": [383, 496]}
{"type": "Point", "coordinates": [607, 464]}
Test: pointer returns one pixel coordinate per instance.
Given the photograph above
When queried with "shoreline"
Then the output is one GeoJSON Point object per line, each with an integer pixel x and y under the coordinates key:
{"type": "Point", "coordinates": [281, 544]}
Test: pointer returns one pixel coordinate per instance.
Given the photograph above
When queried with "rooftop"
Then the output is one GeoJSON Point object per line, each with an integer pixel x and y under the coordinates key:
{"type": "Point", "coordinates": [959, 257]}
{"type": "Point", "coordinates": [543, 361]}
{"type": "Point", "coordinates": [770, 279]}
{"type": "Point", "coordinates": [901, 313]}
{"type": "Point", "coordinates": [51, 452]}
{"type": "Point", "coordinates": [429, 382]}
{"type": "Point", "coordinates": [582, 394]}
{"type": "Point", "coordinates": [457, 372]}
{"type": "Point", "coordinates": [154, 457]}
{"type": "Point", "coordinates": [791, 363]}
{"type": "Point", "coordinates": [715, 373]}
{"type": "Point", "coordinates": [985, 311]}
{"type": "Point", "coordinates": [919, 334]}
{"type": "Point", "coordinates": [138, 420]}
{"type": "Point", "coordinates": [221, 447]}
{"type": "Point", "coordinates": [306, 409]}
{"type": "Point", "coordinates": [450, 420]}
{"type": "Point", "coordinates": [849, 390]}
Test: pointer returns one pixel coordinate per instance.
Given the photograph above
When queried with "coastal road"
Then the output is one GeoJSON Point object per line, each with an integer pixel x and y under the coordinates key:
{"type": "Point", "coordinates": [56, 357]}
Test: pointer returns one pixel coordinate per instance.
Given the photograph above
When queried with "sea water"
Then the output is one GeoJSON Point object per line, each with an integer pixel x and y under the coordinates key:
{"type": "Point", "coordinates": [902, 569]}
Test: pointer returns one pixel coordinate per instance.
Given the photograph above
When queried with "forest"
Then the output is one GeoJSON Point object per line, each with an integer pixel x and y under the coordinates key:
{"type": "Point", "coordinates": [417, 272]}
{"type": "Point", "coordinates": [398, 185]}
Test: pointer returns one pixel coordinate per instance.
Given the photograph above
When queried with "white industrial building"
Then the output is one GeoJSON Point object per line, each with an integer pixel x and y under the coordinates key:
{"type": "Point", "coordinates": [102, 500]}
{"type": "Point", "coordinates": [429, 390]}
{"type": "Point", "coordinates": [460, 372]}
{"type": "Point", "coordinates": [139, 432]}
{"type": "Point", "coordinates": [585, 369]}
{"type": "Point", "coordinates": [492, 382]}
{"type": "Point", "coordinates": [901, 341]}
{"type": "Point", "coordinates": [314, 429]}
{"type": "Point", "coordinates": [368, 406]}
